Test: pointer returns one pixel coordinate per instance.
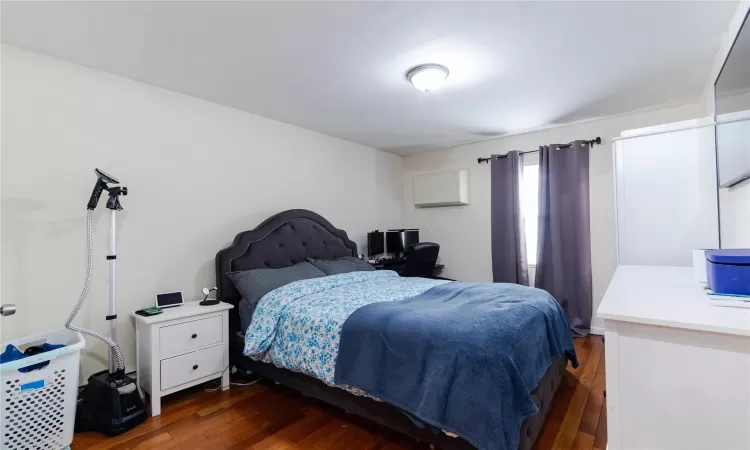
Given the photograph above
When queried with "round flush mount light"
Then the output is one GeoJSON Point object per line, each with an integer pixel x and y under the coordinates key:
{"type": "Point", "coordinates": [427, 77]}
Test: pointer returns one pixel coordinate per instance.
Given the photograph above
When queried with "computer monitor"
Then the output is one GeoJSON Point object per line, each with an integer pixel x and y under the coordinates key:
{"type": "Point", "coordinates": [393, 242]}
{"type": "Point", "coordinates": [410, 237]}
{"type": "Point", "coordinates": [375, 243]}
{"type": "Point", "coordinates": [397, 241]}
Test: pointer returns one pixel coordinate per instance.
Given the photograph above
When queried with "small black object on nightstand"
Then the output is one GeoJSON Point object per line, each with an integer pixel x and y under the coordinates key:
{"type": "Point", "coordinates": [206, 301]}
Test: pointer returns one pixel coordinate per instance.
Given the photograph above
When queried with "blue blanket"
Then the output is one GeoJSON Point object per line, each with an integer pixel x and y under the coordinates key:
{"type": "Point", "coordinates": [462, 357]}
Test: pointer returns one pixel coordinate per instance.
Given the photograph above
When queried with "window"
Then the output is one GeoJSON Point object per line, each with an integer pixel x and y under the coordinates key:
{"type": "Point", "coordinates": [530, 208]}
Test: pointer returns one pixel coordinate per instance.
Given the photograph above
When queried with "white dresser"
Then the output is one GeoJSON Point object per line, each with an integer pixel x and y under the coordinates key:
{"type": "Point", "coordinates": [678, 369]}
{"type": "Point", "coordinates": [182, 347]}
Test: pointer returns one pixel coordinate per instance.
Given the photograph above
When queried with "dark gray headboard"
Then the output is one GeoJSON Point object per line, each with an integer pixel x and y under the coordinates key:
{"type": "Point", "coordinates": [282, 240]}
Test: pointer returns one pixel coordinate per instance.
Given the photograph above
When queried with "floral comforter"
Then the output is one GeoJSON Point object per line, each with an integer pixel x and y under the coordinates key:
{"type": "Point", "coordinates": [298, 326]}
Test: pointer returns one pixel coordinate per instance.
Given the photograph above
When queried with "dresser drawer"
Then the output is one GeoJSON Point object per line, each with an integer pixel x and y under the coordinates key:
{"type": "Point", "coordinates": [188, 336]}
{"type": "Point", "coordinates": [186, 368]}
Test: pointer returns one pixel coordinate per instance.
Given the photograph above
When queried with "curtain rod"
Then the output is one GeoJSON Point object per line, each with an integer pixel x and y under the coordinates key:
{"type": "Point", "coordinates": [596, 140]}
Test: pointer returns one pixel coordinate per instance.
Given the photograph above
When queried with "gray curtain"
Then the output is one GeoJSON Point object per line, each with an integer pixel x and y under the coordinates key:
{"type": "Point", "coordinates": [564, 258]}
{"type": "Point", "coordinates": [508, 241]}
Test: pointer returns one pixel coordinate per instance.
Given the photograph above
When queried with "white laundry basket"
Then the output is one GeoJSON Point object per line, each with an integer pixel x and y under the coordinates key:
{"type": "Point", "coordinates": [39, 407]}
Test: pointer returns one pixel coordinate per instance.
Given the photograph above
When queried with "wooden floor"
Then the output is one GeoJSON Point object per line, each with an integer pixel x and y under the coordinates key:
{"type": "Point", "coordinates": [264, 417]}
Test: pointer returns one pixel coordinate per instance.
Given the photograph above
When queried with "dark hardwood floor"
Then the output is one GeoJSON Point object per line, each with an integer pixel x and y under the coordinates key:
{"type": "Point", "coordinates": [266, 417]}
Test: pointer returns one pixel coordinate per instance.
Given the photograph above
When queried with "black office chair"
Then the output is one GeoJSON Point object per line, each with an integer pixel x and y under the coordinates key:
{"type": "Point", "coordinates": [421, 259]}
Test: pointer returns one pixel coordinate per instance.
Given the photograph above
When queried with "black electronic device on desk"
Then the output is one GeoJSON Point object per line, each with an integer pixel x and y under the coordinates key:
{"type": "Point", "coordinates": [375, 243]}
{"type": "Point", "coordinates": [397, 241]}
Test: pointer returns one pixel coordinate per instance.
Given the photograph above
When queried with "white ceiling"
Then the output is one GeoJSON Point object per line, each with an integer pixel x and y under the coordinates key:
{"type": "Point", "coordinates": [338, 67]}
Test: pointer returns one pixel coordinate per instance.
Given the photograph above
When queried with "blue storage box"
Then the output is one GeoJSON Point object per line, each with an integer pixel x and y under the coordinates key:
{"type": "Point", "coordinates": [728, 271]}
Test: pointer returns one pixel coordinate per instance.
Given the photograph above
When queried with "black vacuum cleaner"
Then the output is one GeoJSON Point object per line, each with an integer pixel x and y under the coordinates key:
{"type": "Point", "coordinates": [110, 402]}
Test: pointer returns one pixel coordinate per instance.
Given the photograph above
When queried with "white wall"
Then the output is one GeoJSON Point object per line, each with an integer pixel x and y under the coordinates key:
{"type": "Point", "coordinates": [389, 195]}
{"type": "Point", "coordinates": [463, 232]}
{"type": "Point", "coordinates": [198, 173]}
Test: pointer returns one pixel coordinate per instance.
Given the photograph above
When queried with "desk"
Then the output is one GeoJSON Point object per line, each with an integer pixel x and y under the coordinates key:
{"type": "Point", "coordinates": [400, 266]}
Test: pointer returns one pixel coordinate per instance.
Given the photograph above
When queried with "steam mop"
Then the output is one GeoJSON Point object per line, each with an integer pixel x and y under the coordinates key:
{"type": "Point", "coordinates": [110, 402]}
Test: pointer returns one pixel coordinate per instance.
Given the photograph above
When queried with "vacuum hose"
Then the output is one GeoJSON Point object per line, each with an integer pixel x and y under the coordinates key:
{"type": "Point", "coordinates": [85, 292]}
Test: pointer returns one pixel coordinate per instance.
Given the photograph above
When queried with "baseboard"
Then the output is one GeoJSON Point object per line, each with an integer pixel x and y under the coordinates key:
{"type": "Point", "coordinates": [597, 330]}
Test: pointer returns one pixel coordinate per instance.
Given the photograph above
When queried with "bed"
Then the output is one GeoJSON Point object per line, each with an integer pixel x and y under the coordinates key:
{"type": "Point", "coordinates": [292, 236]}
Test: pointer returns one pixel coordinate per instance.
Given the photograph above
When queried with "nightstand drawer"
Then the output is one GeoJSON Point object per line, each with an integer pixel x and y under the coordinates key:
{"type": "Point", "coordinates": [185, 368]}
{"type": "Point", "coordinates": [188, 336]}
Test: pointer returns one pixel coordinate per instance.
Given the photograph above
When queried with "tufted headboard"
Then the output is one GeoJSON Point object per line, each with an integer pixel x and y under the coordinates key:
{"type": "Point", "coordinates": [282, 240]}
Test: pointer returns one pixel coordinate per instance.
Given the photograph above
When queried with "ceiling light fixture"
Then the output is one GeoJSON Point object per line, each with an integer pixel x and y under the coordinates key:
{"type": "Point", "coordinates": [427, 77]}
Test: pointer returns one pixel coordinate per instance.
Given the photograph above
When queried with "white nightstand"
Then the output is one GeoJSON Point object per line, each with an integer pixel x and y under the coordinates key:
{"type": "Point", "coordinates": [181, 347]}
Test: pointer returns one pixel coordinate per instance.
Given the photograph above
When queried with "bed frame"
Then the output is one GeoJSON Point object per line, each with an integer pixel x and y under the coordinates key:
{"type": "Point", "coordinates": [288, 238]}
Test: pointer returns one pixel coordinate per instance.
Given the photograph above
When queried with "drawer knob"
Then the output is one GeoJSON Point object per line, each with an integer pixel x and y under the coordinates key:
{"type": "Point", "coordinates": [194, 336]}
{"type": "Point", "coordinates": [195, 367]}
